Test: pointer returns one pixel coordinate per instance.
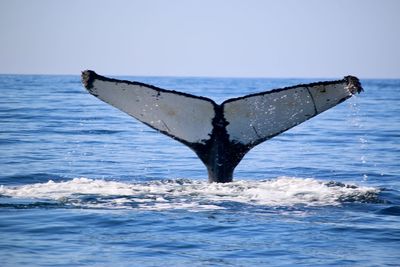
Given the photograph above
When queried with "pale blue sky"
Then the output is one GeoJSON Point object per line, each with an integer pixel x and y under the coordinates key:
{"type": "Point", "coordinates": [248, 38]}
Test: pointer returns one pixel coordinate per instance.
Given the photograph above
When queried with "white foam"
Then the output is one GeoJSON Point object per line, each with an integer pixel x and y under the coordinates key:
{"type": "Point", "coordinates": [190, 195]}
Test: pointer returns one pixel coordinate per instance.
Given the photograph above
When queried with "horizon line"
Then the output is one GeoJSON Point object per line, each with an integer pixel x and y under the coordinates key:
{"type": "Point", "coordinates": [206, 76]}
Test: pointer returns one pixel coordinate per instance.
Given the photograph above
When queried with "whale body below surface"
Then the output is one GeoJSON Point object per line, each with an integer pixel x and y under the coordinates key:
{"type": "Point", "coordinates": [220, 134]}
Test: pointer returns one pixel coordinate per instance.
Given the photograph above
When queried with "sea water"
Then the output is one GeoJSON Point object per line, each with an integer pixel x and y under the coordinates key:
{"type": "Point", "coordinates": [83, 184]}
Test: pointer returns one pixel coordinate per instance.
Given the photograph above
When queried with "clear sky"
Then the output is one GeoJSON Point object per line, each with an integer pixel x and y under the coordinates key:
{"type": "Point", "coordinates": [247, 38]}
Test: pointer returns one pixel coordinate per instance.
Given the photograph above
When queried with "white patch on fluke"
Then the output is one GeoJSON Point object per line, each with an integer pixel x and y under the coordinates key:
{"type": "Point", "coordinates": [189, 195]}
{"type": "Point", "coordinates": [181, 116]}
{"type": "Point", "coordinates": [262, 116]}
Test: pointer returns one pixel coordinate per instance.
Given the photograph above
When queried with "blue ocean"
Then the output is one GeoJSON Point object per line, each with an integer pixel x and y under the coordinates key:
{"type": "Point", "coordinates": [83, 184]}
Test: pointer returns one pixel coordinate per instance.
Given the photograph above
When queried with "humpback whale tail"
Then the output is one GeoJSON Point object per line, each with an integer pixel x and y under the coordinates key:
{"type": "Point", "coordinates": [222, 134]}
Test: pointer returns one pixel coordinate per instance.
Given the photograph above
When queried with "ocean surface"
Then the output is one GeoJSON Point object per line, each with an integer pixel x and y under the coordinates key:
{"type": "Point", "coordinates": [83, 184]}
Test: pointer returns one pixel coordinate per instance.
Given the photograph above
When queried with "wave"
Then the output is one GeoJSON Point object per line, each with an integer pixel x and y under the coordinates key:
{"type": "Point", "coordinates": [187, 194]}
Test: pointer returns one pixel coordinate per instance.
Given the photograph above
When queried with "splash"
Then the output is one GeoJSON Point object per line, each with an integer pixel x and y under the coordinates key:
{"type": "Point", "coordinates": [191, 195]}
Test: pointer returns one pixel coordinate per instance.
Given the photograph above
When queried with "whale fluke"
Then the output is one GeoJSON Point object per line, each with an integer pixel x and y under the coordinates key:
{"type": "Point", "coordinates": [222, 134]}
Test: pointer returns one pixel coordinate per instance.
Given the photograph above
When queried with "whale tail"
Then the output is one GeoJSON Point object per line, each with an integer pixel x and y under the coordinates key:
{"type": "Point", "coordinates": [222, 134]}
